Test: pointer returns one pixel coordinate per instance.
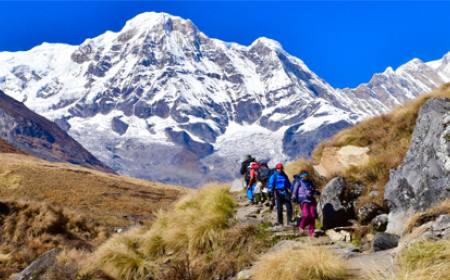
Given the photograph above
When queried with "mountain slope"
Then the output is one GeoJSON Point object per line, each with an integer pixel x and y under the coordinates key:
{"type": "Point", "coordinates": [27, 131]}
{"type": "Point", "coordinates": [160, 100]}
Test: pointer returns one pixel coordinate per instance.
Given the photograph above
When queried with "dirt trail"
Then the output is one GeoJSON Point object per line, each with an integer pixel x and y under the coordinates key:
{"type": "Point", "coordinates": [288, 238]}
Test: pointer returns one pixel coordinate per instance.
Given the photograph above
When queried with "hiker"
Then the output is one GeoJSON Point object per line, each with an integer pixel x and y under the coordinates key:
{"type": "Point", "coordinates": [280, 186]}
{"type": "Point", "coordinates": [245, 168]}
{"type": "Point", "coordinates": [303, 193]}
{"type": "Point", "coordinates": [252, 181]}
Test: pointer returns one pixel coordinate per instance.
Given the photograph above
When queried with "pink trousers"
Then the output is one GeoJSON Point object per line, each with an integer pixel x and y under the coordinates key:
{"type": "Point", "coordinates": [308, 217]}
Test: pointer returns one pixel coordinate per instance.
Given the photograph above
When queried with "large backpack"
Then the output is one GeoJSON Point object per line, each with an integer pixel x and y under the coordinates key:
{"type": "Point", "coordinates": [245, 164]}
{"type": "Point", "coordinates": [304, 191]}
{"type": "Point", "coordinates": [264, 172]}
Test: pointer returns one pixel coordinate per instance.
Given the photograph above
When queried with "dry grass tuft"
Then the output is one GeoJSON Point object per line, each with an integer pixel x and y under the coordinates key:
{"type": "Point", "coordinates": [197, 239]}
{"type": "Point", "coordinates": [309, 263]}
{"type": "Point", "coordinates": [429, 215]}
{"type": "Point", "coordinates": [428, 260]}
{"type": "Point", "coordinates": [28, 230]}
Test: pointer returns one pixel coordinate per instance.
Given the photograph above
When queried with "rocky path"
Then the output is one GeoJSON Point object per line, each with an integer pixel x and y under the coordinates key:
{"type": "Point", "coordinates": [287, 237]}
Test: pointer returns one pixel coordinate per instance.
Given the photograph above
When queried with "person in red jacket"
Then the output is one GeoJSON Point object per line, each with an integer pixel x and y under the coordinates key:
{"type": "Point", "coordinates": [253, 179]}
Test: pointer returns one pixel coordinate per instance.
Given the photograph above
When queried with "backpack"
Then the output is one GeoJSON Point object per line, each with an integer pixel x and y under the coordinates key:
{"type": "Point", "coordinates": [264, 172]}
{"type": "Point", "coordinates": [304, 191]}
{"type": "Point", "coordinates": [245, 164]}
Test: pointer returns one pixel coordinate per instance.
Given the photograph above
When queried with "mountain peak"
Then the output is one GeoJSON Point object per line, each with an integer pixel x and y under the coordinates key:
{"type": "Point", "coordinates": [151, 19]}
{"type": "Point", "coordinates": [270, 43]}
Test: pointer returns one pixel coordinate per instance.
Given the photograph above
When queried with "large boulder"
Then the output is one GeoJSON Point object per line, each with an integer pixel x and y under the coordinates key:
{"type": "Point", "coordinates": [423, 179]}
{"type": "Point", "coordinates": [336, 204]}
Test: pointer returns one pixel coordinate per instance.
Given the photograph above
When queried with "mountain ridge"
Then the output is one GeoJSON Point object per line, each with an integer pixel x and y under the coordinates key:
{"type": "Point", "coordinates": [161, 94]}
{"type": "Point", "coordinates": [29, 132]}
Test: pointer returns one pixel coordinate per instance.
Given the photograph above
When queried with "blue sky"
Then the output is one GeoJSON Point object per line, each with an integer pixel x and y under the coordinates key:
{"type": "Point", "coordinates": [343, 42]}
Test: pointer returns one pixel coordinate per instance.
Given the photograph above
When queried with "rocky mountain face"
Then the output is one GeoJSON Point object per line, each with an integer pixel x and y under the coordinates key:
{"type": "Point", "coordinates": [24, 130]}
{"type": "Point", "coordinates": [423, 179]}
{"type": "Point", "coordinates": [160, 100]}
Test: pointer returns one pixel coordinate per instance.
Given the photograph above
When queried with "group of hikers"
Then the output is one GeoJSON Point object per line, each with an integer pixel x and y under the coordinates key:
{"type": "Point", "coordinates": [273, 186]}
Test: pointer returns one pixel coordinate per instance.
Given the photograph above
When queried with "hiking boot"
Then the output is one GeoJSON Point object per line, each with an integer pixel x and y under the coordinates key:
{"type": "Point", "coordinates": [302, 232]}
{"type": "Point", "coordinates": [292, 223]}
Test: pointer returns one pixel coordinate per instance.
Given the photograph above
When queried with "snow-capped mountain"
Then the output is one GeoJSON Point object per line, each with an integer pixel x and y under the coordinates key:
{"type": "Point", "coordinates": [160, 100]}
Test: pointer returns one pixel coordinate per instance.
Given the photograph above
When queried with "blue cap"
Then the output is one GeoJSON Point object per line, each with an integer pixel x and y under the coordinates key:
{"type": "Point", "coordinates": [304, 174]}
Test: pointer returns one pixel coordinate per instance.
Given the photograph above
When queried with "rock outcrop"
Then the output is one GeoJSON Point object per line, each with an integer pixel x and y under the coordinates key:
{"type": "Point", "coordinates": [423, 179]}
{"type": "Point", "coordinates": [335, 160]}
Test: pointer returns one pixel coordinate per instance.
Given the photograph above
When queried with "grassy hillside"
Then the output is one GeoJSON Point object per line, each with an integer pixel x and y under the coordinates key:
{"type": "Point", "coordinates": [387, 136]}
{"type": "Point", "coordinates": [109, 199]}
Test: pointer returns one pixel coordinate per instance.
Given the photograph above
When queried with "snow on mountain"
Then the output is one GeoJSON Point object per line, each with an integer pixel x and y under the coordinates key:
{"type": "Point", "coordinates": [392, 88]}
{"type": "Point", "coordinates": [160, 100]}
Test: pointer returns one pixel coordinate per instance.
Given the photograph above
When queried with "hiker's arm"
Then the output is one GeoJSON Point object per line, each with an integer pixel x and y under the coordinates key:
{"type": "Point", "coordinates": [252, 180]}
{"type": "Point", "coordinates": [270, 185]}
{"type": "Point", "coordinates": [294, 191]}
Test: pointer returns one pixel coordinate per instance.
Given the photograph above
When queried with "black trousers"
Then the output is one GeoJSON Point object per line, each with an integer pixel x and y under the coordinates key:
{"type": "Point", "coordinates": [280, 200]}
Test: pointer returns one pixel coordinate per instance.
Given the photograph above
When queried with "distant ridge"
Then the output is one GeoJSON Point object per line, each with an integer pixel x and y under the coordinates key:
{"type": "Point", "coordinates": [21, 129]}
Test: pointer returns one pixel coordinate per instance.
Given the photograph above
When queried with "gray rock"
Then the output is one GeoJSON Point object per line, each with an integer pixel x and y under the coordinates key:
{"type": "Point", "coordinates": [379, 223]}
{"type": "Point", "coordinates": [384, 241]}
{"type": "Point", "coordinates": [287, 245]}
{"type": "Point", "coordinates": [441, 227]}
{"type": "Point", "coordinates": [245, 274]}
{"type": "Point", "coordinates": [368, 211]}
{"type": "Point", "coordinates": [335, 211]}
{"type": "Point", "coordinates": [39, 266]}
{"type": "Point", "coordinates": [119, 126]}
{"type": "Point", "coordinates": [423, 179]}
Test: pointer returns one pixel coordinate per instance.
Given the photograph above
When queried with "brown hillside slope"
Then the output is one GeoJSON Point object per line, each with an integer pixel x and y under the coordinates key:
{"type": "Point", "coordinates": [7, 148]}
{"type": "Point", "coordinates": [387, 136]}
{"type": "Point", "coordinates": [109, 199]}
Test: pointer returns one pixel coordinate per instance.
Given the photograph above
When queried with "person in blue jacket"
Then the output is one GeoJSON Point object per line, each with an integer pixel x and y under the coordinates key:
{"type": "Point", "coordinates": [280, 186]}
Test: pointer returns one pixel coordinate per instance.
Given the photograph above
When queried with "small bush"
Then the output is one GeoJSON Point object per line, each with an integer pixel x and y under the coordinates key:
{"type": "Point", "coordinates": [309, 263]}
